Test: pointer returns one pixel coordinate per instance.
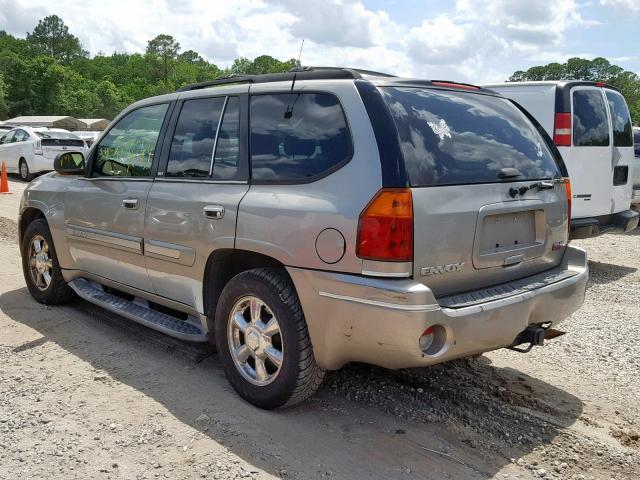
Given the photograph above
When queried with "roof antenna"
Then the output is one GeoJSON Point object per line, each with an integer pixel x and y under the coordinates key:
{"type": "Point", "coordinates": [298, 65]}
{"type": "Point", "coordinates": [288, 113]}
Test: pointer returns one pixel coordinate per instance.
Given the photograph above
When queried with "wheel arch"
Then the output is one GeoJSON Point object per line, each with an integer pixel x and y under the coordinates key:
{"type": "Point", "coordinates": [28, 216]}
{"type": "Point", "coordinates": [224, 264]}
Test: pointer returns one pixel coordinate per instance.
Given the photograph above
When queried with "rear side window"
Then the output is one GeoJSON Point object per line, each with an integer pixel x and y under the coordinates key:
{"type": "Point", "coordinates": [192, 145]}
{"type": "Point", "coordinates": [636, 139]}
{"type": "Point", "coordinates": [298, 136]}
{"type": "Point", "coordinates": [620, 119]}
{"type": "Point", "coordinates": [590, 123]}
{"type": "Point", "coordinates": [450, 138]}
{"type": "Point", "coordinates": [227, 154]}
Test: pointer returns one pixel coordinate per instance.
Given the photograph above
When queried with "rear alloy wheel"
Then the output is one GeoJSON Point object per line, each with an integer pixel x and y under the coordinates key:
{"type": "Point", "coordinates": [23, 169]}
{"type": "Point", "coordinates": [255, 341]}
{"type": "Point", "coordinates": [263, 342]}
{"type": "Point", "coordinates": [40, 266]}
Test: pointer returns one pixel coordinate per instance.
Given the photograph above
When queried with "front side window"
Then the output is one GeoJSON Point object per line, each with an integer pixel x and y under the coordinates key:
{"type": "Point", "coordinates": [620, 119]}
{"type": "Point", "coordinates": [7, 138]}
{"type": "Point", "coordinates": [450, 138]}
{"type": "Point", "coordinates": [128, 149]}
{"type": "Point", "coordinates": [192, 145]}
{"type": "Point", "coordinates": [590, 123]}
{"type": "Point", "coordinates": [297, 136]}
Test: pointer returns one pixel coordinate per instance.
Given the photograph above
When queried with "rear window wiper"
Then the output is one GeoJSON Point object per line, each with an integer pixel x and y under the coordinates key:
{"type": "Point", "coordinates": [540, 185]}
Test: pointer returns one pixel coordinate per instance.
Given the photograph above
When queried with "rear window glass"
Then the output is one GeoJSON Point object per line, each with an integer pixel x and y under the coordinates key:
{"type": "Point", "coordinates": [620, 119]}
{"type": "Point", "coordinates": [192, 145]}
{"type": "Point", "coordinates": [297, 136]}
{"type": "Point", "coordinates": [590, 124]}
{"type": "Point", "coordinates": [58, 135]}
{"type": "Point", "coordinates": [450, 138]}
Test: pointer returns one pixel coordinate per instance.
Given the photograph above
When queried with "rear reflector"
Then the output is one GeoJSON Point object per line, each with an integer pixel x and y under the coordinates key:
{"type": "Point", "coordinates": [562, 130]}
{"type": "Point", "coordinates": [459, 86]}
{"type": "Point", "coordinates": [385, 229]}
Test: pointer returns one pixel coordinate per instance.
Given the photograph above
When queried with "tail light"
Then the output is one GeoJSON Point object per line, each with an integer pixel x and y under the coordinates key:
{"type": "Point", "coordinates": [37, 148]}
{"type": "Point", "coordinates": [385, 229]}
{"type": "Point", "coordinates": [567, 187]}
{"type": "Point", "coordinates": [562, 130]}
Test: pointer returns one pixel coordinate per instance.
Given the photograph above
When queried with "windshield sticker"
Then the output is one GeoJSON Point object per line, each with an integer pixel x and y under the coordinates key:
{"type": "Point", "coordinates": [441, 129]}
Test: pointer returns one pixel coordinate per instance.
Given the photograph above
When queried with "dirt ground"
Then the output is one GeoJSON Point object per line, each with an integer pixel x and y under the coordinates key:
{"type": "Point", "coordinates": [85, 394]}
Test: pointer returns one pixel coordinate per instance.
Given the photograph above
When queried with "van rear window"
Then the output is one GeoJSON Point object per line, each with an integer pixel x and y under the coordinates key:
{"type": "Point", "coordinates": [450, 138]}
{"type": "Point", "coordinates": [620, 119]}
{"type": "Point", "coordinates": [590, 123]}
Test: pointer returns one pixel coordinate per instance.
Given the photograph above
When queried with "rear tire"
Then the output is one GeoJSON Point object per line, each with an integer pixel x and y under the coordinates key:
{"type": "Point", "coordinates": [23, 171]}
{"type": "Point", "coordinates": [41, 268]}
{"type": "Point", "coordinates": [263, 342]}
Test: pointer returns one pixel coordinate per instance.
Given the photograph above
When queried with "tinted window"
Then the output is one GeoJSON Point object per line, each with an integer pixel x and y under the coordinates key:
{"type": "Point", "coordinates": [128, 149]}
{"type": "Point", "coordinates": [636, 140]}
{"type": "Point", "coordinates": [227, 156]}
{"type": "Point", "coordinates": [620, 119]}
{"type": "Point", "coordinates": [455, 137]}
{"type": "Point", "coordinates": [192, 146]}
{"type": "Point", "coordinates": [590, 124]}
{"type": "Point", "coordinates": [297, 136]}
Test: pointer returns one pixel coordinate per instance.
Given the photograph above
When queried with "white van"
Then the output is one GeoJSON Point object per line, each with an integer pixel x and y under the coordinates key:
{"type": "Point", "coordinates": [591, 126]}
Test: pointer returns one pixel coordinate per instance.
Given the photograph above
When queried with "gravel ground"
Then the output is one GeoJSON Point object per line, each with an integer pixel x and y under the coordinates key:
{"type": "Point", "coordinates": [86, 394]}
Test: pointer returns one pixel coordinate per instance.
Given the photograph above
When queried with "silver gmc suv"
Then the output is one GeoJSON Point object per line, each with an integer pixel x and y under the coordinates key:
{"type": "Point", "coordinates": [305, 220]}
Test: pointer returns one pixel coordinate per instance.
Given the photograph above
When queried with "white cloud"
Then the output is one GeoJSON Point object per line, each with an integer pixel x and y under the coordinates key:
{"type": "Point", "coordinates": [633, 5]}
{"type": "Point", "coordinates": [470, 40]}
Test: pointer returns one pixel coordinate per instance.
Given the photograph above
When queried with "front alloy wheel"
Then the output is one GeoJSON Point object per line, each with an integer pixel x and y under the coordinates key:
{"type": "Point", "coordinates": [40, 263]}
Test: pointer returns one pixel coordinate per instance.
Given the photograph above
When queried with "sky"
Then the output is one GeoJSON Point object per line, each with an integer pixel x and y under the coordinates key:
{"type": "Point", "coordinates": [463, 40]}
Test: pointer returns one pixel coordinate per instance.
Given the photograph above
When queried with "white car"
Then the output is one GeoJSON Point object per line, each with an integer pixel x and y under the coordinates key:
{"type": "Point", "coordinates": [30, 150]}
{"type": "Point", "coordinates": [591, 126]}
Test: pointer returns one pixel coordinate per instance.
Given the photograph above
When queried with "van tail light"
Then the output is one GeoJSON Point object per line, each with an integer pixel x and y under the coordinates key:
{"type": "Point", "coordinates": [37, 148]}
{"type": "Point", "coordinates": [562, 130]}
{"type": "Point", "coordinates": [385, 228]}
{"type": "Point", "coordinates": [567, 187]}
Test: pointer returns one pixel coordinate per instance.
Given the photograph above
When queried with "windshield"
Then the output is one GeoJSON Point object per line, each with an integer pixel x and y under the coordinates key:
{"type": "Point", "coordinates": [450, 138]}
{"type": "Point", "coordinates": [57, 135]}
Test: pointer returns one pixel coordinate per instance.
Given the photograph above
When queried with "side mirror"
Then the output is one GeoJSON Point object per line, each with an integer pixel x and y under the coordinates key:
{"type": "Point", "coordinates": [69, 163]}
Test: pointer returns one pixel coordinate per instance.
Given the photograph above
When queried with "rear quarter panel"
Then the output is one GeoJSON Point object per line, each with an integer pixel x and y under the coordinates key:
{"type": "Point", "coordinates": [283, 221]}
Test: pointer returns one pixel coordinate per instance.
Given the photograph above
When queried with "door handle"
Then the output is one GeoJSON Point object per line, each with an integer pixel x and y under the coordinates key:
{"type": "Point", "coordinates": [130, 203]}
{"type": "Point", "coordinates": [214, 212]}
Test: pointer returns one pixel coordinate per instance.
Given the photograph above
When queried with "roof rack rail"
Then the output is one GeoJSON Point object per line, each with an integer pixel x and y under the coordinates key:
{"type": "Point", "coordinates": [306, 73]}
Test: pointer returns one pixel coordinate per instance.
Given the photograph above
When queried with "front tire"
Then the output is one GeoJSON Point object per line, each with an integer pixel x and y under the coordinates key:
{"type": "Point", "coordinates": [41, 268]}
{"type": "Point", "coordinates": [263, 342]}
{"type": "Point", "coordinates": [23, 171]}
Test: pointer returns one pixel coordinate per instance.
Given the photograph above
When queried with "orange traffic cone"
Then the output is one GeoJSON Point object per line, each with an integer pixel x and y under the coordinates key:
{"type": "Point", "coordinates": [4, 183]}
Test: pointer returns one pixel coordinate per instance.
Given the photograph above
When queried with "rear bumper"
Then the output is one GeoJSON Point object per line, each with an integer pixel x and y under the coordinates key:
{"type": "Point", "coordinates": [620, 222]}
{"type": "Point", "coordinates": [380, 321]}
{"type": "Point", "coordinates": [635, 197]}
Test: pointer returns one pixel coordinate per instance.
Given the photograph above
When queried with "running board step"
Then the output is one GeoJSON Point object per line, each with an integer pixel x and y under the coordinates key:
{"type": "Point", "coordinates": [134, 310]}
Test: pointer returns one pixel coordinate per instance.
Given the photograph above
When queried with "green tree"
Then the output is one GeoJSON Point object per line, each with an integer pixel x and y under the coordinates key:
{"type": "Point", "coordinates": [52, 37]}
{"type": "Point", "coordinates": [162, 55]}
{"type": "Point", "coordinates": [4, 108]}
